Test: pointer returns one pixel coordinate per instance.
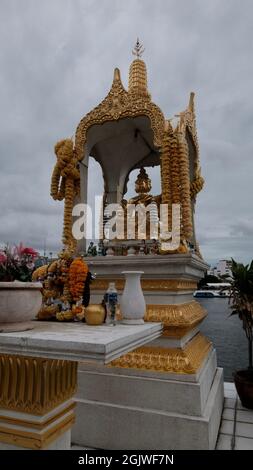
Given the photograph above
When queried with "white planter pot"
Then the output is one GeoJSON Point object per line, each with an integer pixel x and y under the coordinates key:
{"type": "Point", "coordinates": [19, 303]}
{"type": "Point", "coordinates": [132, 303]}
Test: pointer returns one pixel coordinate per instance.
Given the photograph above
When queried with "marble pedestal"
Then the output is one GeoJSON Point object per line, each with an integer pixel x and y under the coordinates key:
{"type": "Point", "coordinates": [140, 410]}
{"type": "Point", "coordinates": [38, 377]}
{"type": "Point", "coordinates": [168, 393]}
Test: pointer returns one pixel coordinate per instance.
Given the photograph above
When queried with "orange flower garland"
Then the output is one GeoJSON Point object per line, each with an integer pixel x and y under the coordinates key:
{"type": "Point", "coordinates": [77, 276]}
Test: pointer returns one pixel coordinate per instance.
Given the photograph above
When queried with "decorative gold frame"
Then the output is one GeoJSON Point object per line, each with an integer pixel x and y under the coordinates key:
{"type": "Point", "coordinates": [120, 104]}
{"type": "Point", "coordinates": [148, 284]}
{"type": "Point", "coordinates": [169, 360]}
{"type": "Point", "coordinates": [35, 385]}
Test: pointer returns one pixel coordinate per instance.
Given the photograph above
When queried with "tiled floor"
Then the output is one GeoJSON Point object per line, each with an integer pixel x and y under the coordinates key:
{"type": "Point", "coordinates": [236, 430]}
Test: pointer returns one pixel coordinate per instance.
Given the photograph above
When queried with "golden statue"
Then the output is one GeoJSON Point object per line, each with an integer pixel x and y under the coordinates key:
{"type": "Point", "coordinates": [142, 188]}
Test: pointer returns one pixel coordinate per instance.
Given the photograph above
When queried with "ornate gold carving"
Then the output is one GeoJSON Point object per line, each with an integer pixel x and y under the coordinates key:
{"type": "Point", "coordinates": [120, 104]}
{"type": "Point", "coordinates": [185, 315]}
{"type": "Point", "coordinates": [173, 360]}
{"type": "Point", "coordinates": [27, 422]}
{"type": "Point", "coordinates": [138, 78]}
{"type": "Point", "coordinates": [35, 440]}
{"type": "Point", "coordinates": [188, 123]}
{"type": "Point", "coordinates": [175, 177]}
{"type": "Point", "coordinates": [35, 385]}
{"type": "Point", "coordinates": [175, 172]}
{"type": "Point", "coordinates": [148, 284]}
{"type": "Point", "coordinates": [197, 184]}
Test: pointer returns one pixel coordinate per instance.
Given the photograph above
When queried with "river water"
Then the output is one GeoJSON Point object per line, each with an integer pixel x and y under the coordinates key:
{"type": "Point", "coordinates": [227, 335]}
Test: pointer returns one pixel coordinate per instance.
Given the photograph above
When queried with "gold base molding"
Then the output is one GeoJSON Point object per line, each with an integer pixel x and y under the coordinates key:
{"type": "Point", "coordinates": [28, 422]}
{"type": "Point", "coordinates": [148, 284]}
{"type": "Point", "coordinates": [35, 439]}
{"type": "Point", "coordinates": [35, 385]}
{"type": "Point", "coordinates": [177, 319]}
{"type": "Point", "coordinates": [173, 360]}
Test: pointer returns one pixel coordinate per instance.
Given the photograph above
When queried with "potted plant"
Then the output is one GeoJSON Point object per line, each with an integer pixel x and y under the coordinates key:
{"type": "Point", "coordinates": [20, 299]}
{"type": "Point", "coordinates": [241, 300]}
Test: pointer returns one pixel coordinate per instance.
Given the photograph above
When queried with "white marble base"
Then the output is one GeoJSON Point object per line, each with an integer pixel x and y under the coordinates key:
{"type": "Point", "coordinates": [52, 430]}
{"type": "Point", "coordinates": [105, 425]}
{"type": "Point", "coordinates": [12, 327]}
{"type": "Point", "coordinates": [165, 342]}
{"type": "Point", "coordinates": [174, 266]}
{"type": "Point", "coordinates": [132, 322]}
{"type": "Point", "coordinates": [151, 298]}
{"type": "Point", "coordinates": [78, 341]}
{"type": "Point", "coordinates": [147, 389]}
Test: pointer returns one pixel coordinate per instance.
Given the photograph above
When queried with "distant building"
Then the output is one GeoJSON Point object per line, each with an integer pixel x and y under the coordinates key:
{"type": "Point", "coordinates": [223, 268]}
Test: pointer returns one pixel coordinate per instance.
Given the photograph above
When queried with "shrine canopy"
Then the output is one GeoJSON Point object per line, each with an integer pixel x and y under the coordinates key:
{"type": "Point", "coordinates": [123, 132]}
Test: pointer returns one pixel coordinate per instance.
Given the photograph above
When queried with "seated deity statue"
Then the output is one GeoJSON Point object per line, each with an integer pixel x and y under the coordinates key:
{"type": "Point", "coordinates": [143, 188]}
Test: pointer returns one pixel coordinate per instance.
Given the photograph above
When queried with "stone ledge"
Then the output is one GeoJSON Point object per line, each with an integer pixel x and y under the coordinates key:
{"type": "Point", "coordinates": [99, 425]}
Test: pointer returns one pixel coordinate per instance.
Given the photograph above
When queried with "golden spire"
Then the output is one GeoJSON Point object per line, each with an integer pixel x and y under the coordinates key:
{"type": "Point", "coordinates": [138, 72]}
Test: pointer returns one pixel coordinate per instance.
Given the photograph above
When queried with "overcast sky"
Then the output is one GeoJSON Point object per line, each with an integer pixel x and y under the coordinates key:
{"type": "Point", "coordinates": [56, 63]}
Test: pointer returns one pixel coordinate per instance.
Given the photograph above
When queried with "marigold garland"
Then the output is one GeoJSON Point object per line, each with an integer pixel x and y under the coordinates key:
{"type": "Point", "coordinates": [175, 170]}
{"type": "Point", "coordinates": [40, 272]}
{"type": "Point", "coordinates": [65, 184]}
{"type": "Point", "coordinates": [166, 176]}
{"type": "Point", "coordinates": [185, 186]}
{"type": "Point", "coordinates": [77, 276]}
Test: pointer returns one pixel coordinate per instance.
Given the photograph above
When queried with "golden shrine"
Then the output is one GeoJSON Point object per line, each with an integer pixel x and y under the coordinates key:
{"type": "Point", "coordinates": [172, 382]}
{"type": "Point", "coordinates": [134, 389]}
{"type": "Point", "coordinates": [127, 131]}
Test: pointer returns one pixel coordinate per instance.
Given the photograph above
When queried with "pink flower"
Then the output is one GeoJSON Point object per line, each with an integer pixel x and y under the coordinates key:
{"type": "Point", "coordinates": [20, 250]}
{"type": "Point", "coordinates": [3, 257]}
{"type": "Point", "coordinates": [30, 252]}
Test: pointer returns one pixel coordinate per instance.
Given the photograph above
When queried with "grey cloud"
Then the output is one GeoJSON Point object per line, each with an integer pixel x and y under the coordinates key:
{"type": "Point", "coordinates": [57, 60]}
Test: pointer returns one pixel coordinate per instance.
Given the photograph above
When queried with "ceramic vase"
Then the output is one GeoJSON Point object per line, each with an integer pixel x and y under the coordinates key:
{"type": "Point", "coordinates": [132, 302]}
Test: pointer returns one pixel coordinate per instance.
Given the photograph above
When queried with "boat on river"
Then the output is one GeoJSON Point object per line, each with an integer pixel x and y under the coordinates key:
{"type": "Point", "coordinates": [210, 290]}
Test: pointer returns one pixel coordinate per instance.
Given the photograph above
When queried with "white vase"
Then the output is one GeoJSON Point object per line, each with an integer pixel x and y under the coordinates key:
{"type": "Point", "coordinates": [131, 251]}
{"type": "Point", "coordinates": [132, 302]}
{"type": "Point", "coordinates": [19, 303]}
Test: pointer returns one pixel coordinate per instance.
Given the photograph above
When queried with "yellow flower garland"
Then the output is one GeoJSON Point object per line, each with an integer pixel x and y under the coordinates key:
{"type": "Point", "coordinates": [65, 184]}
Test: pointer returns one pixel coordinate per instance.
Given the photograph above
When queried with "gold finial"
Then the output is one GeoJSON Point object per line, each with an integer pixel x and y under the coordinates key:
{"type": "Point", "coordinates": [138, 49]}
